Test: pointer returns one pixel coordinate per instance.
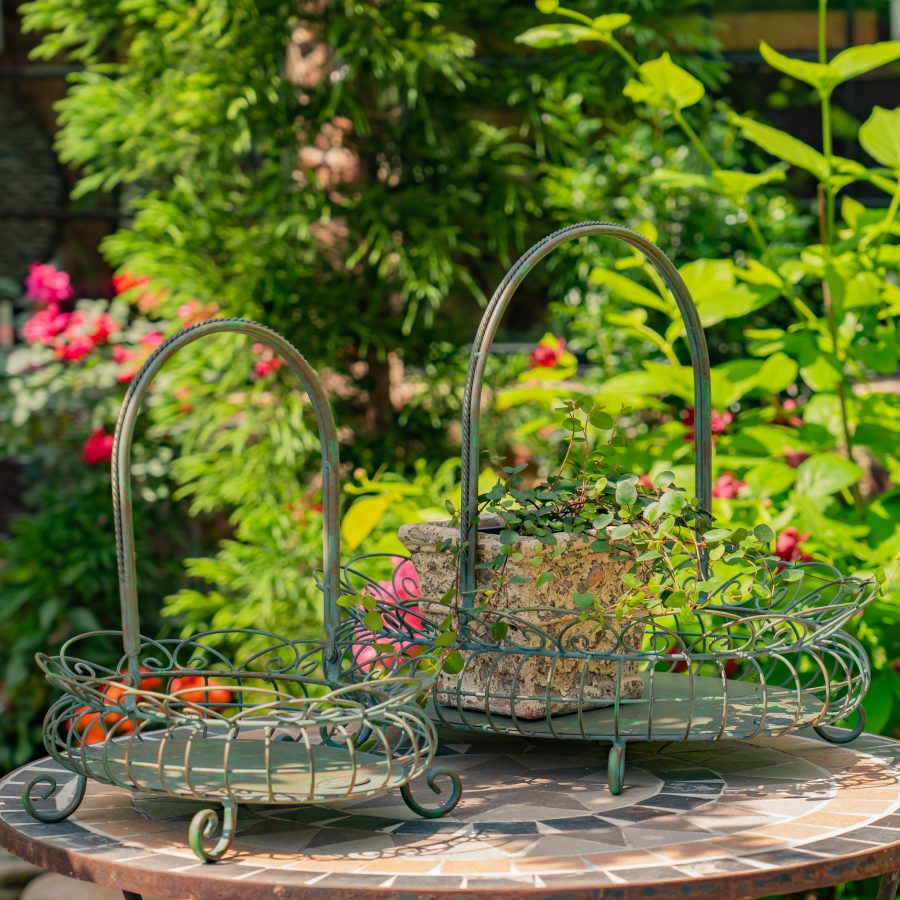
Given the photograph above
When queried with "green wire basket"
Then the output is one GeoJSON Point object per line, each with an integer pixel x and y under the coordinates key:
{"type": "Point", "coordinates": [291, 721]}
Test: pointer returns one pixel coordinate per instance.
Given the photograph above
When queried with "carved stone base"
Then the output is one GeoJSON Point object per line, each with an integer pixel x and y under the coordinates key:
{"type": "Point", "coordinates": [533, 686]}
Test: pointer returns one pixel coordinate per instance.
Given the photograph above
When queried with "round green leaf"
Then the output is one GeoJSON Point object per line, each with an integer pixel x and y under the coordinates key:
{"type": "Point", "coordinates": [880, 136]}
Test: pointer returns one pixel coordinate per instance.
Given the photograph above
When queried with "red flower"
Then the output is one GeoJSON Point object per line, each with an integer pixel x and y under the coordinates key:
{"type": "Point", "coordinates": [104, 325]}
{"type": "Point", "coordinates": [45, 325]}
{"type": "Point", "coordinates": [646, 482]}
{"type": "Point", "coordinates": [727, 487]}
{"type": "Point", "coordinates": [152, 339]}
{"type": "Point", "coordinates": [125, 281]}
{"type": "Point", "coordinates": [47, 284]}
{"type": "Point", "coordinates": [75, 348]}
{"type": "Point", "coordinates": [547, 354]}
{"type": "Point", "coordinates": [719, 422]}
{"type": "Point", "coordinates": [98, 448]}
{"type": "Point", "coordinates": [268, 362]}
{"type": "Point", "coordinates": [787, 545]}
{"type": "Point", "coordinates": [794, 457]}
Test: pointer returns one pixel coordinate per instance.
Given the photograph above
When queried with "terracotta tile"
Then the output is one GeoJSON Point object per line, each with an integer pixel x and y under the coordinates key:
{"type": "Point", "coordinates": [541, 865]}
{"type": "Point", "coordinates": [829, 819]}
{"type": "Point", "coordinates": [475, 867]}
{"type": "Point", "coordinates": [793, 832]}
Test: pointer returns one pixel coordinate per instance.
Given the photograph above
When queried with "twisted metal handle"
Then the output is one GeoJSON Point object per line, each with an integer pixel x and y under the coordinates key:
{"type": "Point", "coordinates": [121, 477]}
{"type": "Point", "coordinates": [484, 338]}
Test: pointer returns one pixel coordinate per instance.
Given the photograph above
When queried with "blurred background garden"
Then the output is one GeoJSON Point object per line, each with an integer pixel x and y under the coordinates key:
{"type": "Point", "coordinates": [358, 175]}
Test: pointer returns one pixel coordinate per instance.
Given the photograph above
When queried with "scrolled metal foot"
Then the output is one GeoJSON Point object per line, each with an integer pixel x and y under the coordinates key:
{"type": "Point", "coordinates": [616, 767]}
{"type": "Point", "coordinates": [434, 812]}
{"type": "Point", "coordinates": [51, 815]}
{"type": "Point", "coordinates": [203, 827]}
{"type": "Point", "coordinates": [843, 737]}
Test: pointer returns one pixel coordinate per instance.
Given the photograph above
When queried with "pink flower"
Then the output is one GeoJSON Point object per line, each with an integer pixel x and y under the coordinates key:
{"type": "Point", "coordinates": [123, 354]}
{"type": "Point", "coordinates": [547, 354]}
{"type": "Point", "coordinates": [47, 284]}
{"type": "Point", "coordinates": [787, 545]}
{"type": "Point", "coordinates": [794, 457]}
{"type": "Point", "coordinates": [125, 281]}
{"type": "Point", "coordinates": [45, 325]}
{"type": "Point", "coordinates": [405, 581]}
{"type": "Point", "coordinates": [727, 487]}
{"type": "Point", "coordinates": [98, 448]}
{"type": "Point", "coordinates": [719, 422]}
{"type": "Point", "coordinates": [195, 311]}
{"type": "Point", "coordinates": [268, 362]}
{"type": "Point", "coordinates": [646, 482]}
{"type": "Point", "coordinates": [152, 339]}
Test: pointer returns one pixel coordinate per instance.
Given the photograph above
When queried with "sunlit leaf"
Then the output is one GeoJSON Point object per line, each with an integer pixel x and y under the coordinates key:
{"type": "Point", "coordinates": [664, 84]}
{"type": "Point", "coordinates": [880, 136]}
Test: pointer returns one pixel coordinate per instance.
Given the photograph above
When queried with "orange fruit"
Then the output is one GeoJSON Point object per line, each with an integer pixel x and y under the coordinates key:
{"type": "Point", "coordinates": [200, 690]}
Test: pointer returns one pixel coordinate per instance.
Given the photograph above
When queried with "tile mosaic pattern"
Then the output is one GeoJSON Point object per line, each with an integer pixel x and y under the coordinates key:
{"type": "Point", "coordinates": [534, 814]}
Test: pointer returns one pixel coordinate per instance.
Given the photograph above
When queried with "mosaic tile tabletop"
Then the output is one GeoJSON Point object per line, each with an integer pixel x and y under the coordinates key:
{"type": "Point", "coordinates": [749, 818]}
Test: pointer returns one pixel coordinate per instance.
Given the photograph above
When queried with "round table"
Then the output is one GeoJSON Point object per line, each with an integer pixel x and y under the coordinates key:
{"type": "Point", "coordinates": [730, 819]}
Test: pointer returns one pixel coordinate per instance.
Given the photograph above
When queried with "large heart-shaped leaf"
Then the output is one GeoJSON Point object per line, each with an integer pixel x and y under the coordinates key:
{"type": "Point", "coordinates": [739, 184]}
{"type": "Point", "coordinates": [630, 290]}
{"type": "Point", "coordinates": [825, 474]}
{"type": "Point", "coordinates": [717, 292]}
{"type": "Point", "coordinates": [858, 60]}
{"type": "Point", "coordinates": [816, 74]}
{"type": "Point", "coordinates": [665, 84]}
{"type": "Point", "coordinates": [784, 146]}
{"type": "Point", "coordinates": [880, 136]}
{"type": "Point", "coordinates": [825, 77]}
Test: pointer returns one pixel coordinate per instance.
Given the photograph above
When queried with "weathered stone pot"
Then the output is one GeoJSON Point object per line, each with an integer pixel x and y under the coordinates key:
{"type": "Point", "coordinates": [507, 682]}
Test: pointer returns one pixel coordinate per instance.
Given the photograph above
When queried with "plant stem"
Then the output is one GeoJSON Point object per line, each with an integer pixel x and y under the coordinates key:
{"type": "Point", "coordinates": [694, 138]}
{"type": "Point", "coordinates": [624, 54]}
{"type": "Point", "coordinates": [827, 140]}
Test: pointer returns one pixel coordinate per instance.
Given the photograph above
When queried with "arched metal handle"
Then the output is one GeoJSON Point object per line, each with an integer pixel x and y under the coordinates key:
{"type": "Point", "coordinates": [121, 475]}
{"type": "Point", "coordinates": [484, 338]}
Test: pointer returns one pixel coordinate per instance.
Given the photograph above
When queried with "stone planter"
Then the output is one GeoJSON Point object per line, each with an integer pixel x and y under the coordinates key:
{"type": "Point", "coordinates": [511, 683]}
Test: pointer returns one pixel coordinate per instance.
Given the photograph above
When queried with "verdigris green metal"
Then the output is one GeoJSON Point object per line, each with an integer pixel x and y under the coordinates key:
{"type": "Point", "coordinates": [121, 475]}
{"type": "Point", "coordinates": [301, 720]}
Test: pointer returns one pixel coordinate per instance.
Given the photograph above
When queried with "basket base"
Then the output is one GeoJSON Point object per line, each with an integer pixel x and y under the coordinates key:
{"type": "Point", "coordinates": [674, 706]}
{"type": "Point", "coordinates": [248, 770]}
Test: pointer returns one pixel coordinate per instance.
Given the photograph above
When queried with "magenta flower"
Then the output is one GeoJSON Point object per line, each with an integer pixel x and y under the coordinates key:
{"type": "Point", "coordinates": [787, 545]}
{"type": "Point", "coordinates": [727, 487]}
{"type": "Point", "coordinates": [719, 422]}
{"type": "Point", "coordinates": [47, 284]}
{"type": "Point", "coordinates": [794, 457]}
{"type": "Point", "coordinates": [45, 325]}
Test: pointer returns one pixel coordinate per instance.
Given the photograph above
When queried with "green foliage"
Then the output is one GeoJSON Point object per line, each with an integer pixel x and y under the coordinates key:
{"type": "Point", "coordinates": [819, 467]}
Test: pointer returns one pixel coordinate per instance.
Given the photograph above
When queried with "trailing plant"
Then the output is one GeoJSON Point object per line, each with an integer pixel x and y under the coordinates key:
{"type": "Point", "coordinates": [678, 560]}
